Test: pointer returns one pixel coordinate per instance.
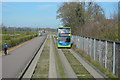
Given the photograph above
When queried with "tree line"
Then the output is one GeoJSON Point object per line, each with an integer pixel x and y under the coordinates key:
{"type": "Point", "coordinates": [88, 19]}
{"type": "Point", "coordinates": [27, 29]}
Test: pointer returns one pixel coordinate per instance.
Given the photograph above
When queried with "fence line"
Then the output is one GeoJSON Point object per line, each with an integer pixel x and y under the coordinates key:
{"type": "Point", "coordinates": [105, 52]}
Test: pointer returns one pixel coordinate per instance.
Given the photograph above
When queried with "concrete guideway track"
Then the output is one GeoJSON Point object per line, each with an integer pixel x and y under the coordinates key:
{"type": "Point", "coordinates": [67, 67]}
{"type": "Point", "coordinates": [15, 62]}
{"type": "Point", "coordinates": [89, 68]}
{"type": "Point", "coordinates": [52, 63]}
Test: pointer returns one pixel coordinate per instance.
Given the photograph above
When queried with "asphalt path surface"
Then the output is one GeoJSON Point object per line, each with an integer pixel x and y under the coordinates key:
{"type": "Point", "coordinates": [16, 60]}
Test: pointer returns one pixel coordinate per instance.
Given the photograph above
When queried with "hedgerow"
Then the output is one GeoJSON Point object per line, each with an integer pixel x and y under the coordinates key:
{"type": "Point", "coordinates": [13, 40]}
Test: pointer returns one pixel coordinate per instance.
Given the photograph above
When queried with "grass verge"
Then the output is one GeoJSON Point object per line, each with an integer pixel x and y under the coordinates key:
{"type": "Point", "coordinates": [42, 68]}
{"type": "Point", "coordinates": [58, 62]}
{"type": "Point", "coordinates": [95, 63]}
{"type": "Point", "coordinates": [78, 68]}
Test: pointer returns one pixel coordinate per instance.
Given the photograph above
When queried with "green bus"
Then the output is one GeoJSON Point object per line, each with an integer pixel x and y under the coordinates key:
{"type": "Point", "coordinates": [64, 37]}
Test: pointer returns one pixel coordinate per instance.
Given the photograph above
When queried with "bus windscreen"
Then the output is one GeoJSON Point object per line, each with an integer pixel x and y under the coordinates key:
{"type": "Point", "coordinates": [64, 32]}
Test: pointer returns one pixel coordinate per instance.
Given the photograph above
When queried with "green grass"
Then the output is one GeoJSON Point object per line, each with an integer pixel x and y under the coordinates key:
{"type": "Point", "coordinates": [18, 32]}
{"type": "Point", "coordinates": [78, 68]}
{"type": "Point", "coordinates": [42, 68]}
{"type": "Point", "coordinates": [58, 62]}
{"type": "Point", "coordinates": [95, 63]}
{"type": "Point", "coordinates": [15, 38]}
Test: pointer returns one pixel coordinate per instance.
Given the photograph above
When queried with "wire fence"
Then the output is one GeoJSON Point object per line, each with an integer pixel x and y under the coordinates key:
{"type": "Point", "coordinates": [105, 52]}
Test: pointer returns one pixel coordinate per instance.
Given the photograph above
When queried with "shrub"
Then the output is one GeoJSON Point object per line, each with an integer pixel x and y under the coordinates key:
{"type": "Point", "coordinates": [13, 41]}
{"type": "Point", "coordinates": [6, 37]}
